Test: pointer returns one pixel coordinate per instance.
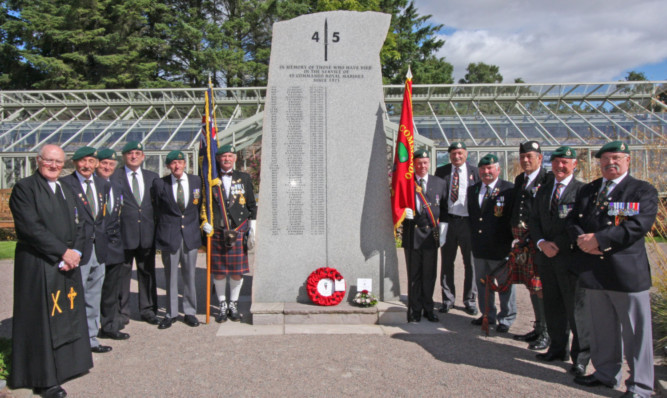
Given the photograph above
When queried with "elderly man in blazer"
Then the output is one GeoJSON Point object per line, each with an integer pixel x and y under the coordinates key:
{"type": "Point", "coordinates": [610, 218]}
{"type": "Point", "coordinates": [552, 205]}
{"type": "Point", "coordinates": [177, 204]}
{"type": "Point", "coordinates": [458, 176]}
{"type": "Point", "coordinates": [137, 228]}
{"type": "Point", "coordinates": [421, 239]}
{"type": "Point", "coordinates": [91, 194]}
{"type": "Point", "coordinates": [490, 207]}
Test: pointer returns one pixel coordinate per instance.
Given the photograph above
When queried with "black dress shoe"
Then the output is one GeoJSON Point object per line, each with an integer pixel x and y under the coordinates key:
{"type": "Point", "coordinates": [113, 335]}
{"type": "Point", "coordinates": [414, 319]}
{"type": "Point", "coordinates": [165, 323]}
{"type": "Point", "coordinates": [432, 317]}
{"type": "Point", "coordinates": [100, 349]}
{"type": "Point", "coordinates": [578, 369]}
{"type": "Point", "coordinates": [590, 381]}
{"type": "Point", "coordinates": [444, 309]}
{"type": "Point", "coordinates": [471, 310]}
{"type": "Point", "coordinates": [631, 394]}
{"type": "Point", "coordinates": [502, 328]}
{"type": "Point", "coordinates": [152, 319]}
{"type": "Point", "coordinates": [191, 320]}
{"type": "Point", "coordinates": [530, 336]}
{"type": "Point", "coordinates": [551, 356]}
{"type": "Point", "coordinates": [50, 392]}
{"type": "Point", "coordinates": [542, 342]}
{"type": "Point", "coordinates": [233, 311]}
{"type": "Point", "coordinates": [222, 316]}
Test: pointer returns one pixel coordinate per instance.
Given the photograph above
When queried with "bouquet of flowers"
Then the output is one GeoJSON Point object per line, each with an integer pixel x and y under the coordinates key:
{"type": "Point", "coordinates": [365, 299]}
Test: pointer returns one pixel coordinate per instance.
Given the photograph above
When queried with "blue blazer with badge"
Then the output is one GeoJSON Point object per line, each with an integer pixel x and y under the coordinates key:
{"type": "Point", "coordinates": [491, 234]}
{"type": "Point", "coordinates": [445, 172]}
{"type": "Point", "coordinates": [422, 224]}
{"type": "Point", "coordinates": [623, 265]}
{"type": "Point", "coordinates": [94, 227]}
{"type": "Point", "coordinates": [137, 221]}
{"type": "Point", "coordinates": [174, 226]}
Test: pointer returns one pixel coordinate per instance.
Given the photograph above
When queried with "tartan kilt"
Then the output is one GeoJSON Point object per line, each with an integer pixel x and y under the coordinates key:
{"type": "Point", "coordinates": [229, 261]}
{"type": "Point", "coordinates": [526, 272]}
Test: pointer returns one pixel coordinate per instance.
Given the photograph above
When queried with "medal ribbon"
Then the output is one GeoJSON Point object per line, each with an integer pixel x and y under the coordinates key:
{"type": "Point", "coordinates": [223, 209]}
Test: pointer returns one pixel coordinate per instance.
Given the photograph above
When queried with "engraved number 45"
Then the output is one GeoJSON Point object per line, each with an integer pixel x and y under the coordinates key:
{"type": "Point", "coordinates": [335, 39]}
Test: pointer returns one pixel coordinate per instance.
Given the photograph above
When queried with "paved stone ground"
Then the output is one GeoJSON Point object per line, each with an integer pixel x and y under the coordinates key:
{"type": "Point", "coordinates": [450, 358]}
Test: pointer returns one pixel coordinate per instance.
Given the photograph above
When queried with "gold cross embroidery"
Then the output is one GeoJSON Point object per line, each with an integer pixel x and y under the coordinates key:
{"type": "Point", "coordinates": [55, 303]}
{"type": "Point", "coordinates": [71, 296]}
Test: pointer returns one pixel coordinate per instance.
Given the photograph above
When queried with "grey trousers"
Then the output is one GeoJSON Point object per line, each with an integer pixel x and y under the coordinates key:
{"type": "Point", "coordinates": [188, 261]}
{"type": "Point", "coordinates": [621, 324]}
{"type": "Point", "coordinates": [92, 275]}
{"type": "Point", "coordinates": [507, 313]}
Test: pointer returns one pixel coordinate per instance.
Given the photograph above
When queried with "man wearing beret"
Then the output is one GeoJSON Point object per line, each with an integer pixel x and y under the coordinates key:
{"type": "Point", "coordinates": [458, 176]}
{"type": "Point", "coordinates": [137, 228]}
{"type": "Point", "coordinates": [91, 194]}
{"type": "Point", "coordinates": [523, 268]}
{"type": "Point", "coordinates": [233, 228]}
{"type": "Point", "coordinates": [490, 207]}
{"type": "Point", "coordinates": [610, 218]}
{"type": "Point", "coordinates": [177, 204]}
{"type": "Point", "coordinates": [552, 205]}
{"type": "Point", "coordinates": [421, 239]}
{"type": "Point", "coordinates": [110, 319]}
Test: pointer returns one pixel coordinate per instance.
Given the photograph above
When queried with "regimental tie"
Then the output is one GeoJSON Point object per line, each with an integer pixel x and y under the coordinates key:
{"type": "Point", "coordinates": [454, 195]}
{"type": "Point", "coordinates": [603, 193]}
{"type": "Point", "coordinates": [180, 196]}
{"type": "Point", "coordinates": [525, 182]}
{"type": "Point", "coordinates": [555, 198]}
{"type": "Point", "coordinates": [135, 188]}
{"type": "Point", "coordinates": [487, 193]}
{"type": "Point", "coordinates": [91, 198]}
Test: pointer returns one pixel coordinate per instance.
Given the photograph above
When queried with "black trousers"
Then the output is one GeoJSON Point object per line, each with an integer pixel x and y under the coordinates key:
{"type": "Point", "coordinates": [109, 314]}
{"type": "Point", "coordinates": [458, 236]}
{"type": "Point", "coordinates": [423, 267]}
{"type": "Point", "coordinates": [145, 259]}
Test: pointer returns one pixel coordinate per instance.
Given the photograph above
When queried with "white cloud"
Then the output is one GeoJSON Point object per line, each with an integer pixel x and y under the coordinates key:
{"type": "Point", "coordinates": [552, 41]}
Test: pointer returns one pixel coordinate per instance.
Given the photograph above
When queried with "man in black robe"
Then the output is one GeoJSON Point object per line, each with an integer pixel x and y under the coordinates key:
{"type": "Point", "coordinates": [49, 333]}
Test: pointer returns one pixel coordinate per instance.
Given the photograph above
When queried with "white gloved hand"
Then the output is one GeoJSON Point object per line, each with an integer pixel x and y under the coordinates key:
{"type": "Point", "coordinates": [251, 234]}
{"type": "Point", "coordinates": [207, 228]}
{"type": "Point", "coordinates": [442, 227]}
{"type": "Point", "coordinates": [409, 214]}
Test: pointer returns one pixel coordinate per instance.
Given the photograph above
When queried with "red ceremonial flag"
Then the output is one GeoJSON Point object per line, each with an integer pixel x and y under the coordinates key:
{"type": "Point", "coordinates": [402, 177]}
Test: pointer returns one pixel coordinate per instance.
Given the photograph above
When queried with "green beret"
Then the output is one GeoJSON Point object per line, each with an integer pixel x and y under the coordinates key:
{"type": "Point", "coordinates": [421, 153]}
{"type": "Point", "coordinates": [456, 145]}
{"type": "Point", "coordinates": [530, 146]}
{"type": "Point", "coordinates": [83, 152]}
{"type": "Point", "coordinates": [224, 149]}
{"type": "Point", "coordinates": [488, 159]}
{"type": "Point", "coordinates": [563, 152]}
{"type": "Point", "coordinates": [131, 146]}
{"type": "Point", "coordinates": [106, 153]}
{"type": "Point", "coordinates": [614, 146]}
{"type": "Point", "coordinates": [174, 155]}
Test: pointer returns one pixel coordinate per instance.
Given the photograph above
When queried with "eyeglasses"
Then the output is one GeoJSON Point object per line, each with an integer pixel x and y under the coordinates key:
{"type": "Point", "coordinates": [49, 162]}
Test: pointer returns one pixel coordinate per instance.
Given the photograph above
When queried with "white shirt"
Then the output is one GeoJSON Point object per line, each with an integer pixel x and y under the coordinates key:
{"type": "Point", "coordinates": [532, 176]}
{"type": "Point", "coordinates": [82, 181]}
{"type": "Point", "coordinates": [186, 187]}
{"type": "Point", "coordinates": [226, 181]}
{"type": "Point", "coordinates": [482, 191]}
{"type": "Point", "coordinates": [53, 185]}
{"type": "Point", "coordinates": [418, 202]}
{"type": "Point", "coordinates": [615, 182]}
{"type": "Point", "coordinates": [140, 179]}
{"type": "Point", "coordinates": [460, 207]}
{"type": "Point", "coordinates": [564, 183]}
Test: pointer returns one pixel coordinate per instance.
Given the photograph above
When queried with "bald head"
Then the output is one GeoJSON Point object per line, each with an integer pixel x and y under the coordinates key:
{"type": "Point", "coordinates": [50, 161]}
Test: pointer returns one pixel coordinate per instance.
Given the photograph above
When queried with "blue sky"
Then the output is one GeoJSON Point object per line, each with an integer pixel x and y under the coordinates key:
{"type": "Point", "coordinates": [553, 41]}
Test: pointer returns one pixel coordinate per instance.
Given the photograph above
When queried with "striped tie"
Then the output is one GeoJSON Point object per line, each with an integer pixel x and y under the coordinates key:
{"type": "Point", "coordinates": [555, 198]}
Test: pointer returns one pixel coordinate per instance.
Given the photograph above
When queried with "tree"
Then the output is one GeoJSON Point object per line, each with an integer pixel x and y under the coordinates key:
{"type": "Point", "coordinates": [633, 76]}
{"type": "Point", "coordinates": [482, 73]}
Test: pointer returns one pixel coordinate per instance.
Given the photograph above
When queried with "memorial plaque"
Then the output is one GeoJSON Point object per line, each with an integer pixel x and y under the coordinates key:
{"type": "Point", "coordinates": [324, 194]}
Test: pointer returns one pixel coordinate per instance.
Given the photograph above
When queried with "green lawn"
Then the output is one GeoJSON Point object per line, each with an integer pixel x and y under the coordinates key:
{"type": "Point", "coordinates": [7, 249]}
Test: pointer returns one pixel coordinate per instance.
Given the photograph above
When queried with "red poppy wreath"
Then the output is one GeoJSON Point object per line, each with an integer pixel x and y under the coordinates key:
{"type": "Point", "coordinates": [324, 286]}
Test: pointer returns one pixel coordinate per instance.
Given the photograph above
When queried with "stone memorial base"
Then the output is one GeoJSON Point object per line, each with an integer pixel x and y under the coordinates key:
{"type": "Point", "coordinates": [384, 313]}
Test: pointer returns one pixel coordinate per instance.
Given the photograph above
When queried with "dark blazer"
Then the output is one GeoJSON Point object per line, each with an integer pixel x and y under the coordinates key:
{"type": "Point", "coordinates": [115, 251]}
{"type": "Point", "coordinates": [490, 227]}
{"type": "Point", "coordinates": [94, 227]}
{"type": "Point", "coordinates": [241, 205]}
{"type": "Point", "coordinates": [521, 209]}
{"type": "Point", "coordinates": [445, 172]}
{"type": "Point", "coordinates": [174, 226]}
{"type": "Point", "coordinates": [137, 221]}
{"type": "Point", "coordinates": [553, 227]}
{"type": "Point", "coordinates": [623, 265]}
{"type": "Point", "coordinates": [422, 224]}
